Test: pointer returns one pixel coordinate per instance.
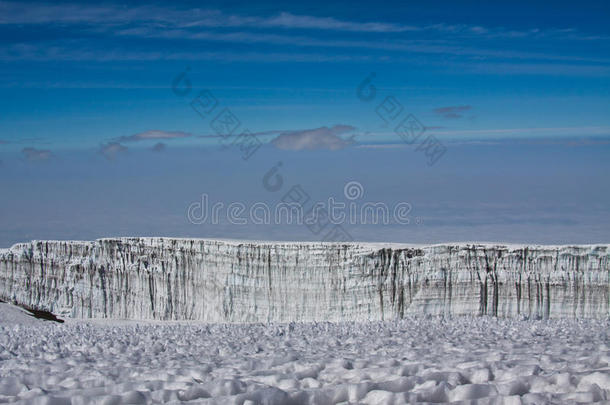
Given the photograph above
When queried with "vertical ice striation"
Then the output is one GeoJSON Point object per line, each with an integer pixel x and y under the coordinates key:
{"type": "Point", "coordinates": [242, 281]}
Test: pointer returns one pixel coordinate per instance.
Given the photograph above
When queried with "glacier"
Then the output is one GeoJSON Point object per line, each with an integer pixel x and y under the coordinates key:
{"type": "Point", "coordinates": [257, 281]}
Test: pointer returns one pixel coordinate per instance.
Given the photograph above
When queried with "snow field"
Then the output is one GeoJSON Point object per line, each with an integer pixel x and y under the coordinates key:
{"type": "Point", "coordinates": [466, 360]}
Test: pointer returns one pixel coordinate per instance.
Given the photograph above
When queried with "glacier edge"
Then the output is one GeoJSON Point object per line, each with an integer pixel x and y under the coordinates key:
{"type": "Point", "coordinates": [258, 281]}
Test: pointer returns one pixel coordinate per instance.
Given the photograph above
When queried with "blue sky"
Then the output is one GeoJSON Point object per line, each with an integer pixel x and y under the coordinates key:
{"type": "Point", "coordinates": [518, 89]}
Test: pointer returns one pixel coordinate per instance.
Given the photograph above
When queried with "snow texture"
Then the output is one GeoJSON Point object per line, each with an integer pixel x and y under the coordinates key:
{"type": "Point", "coordinates": [13, 315]}
{"type": "Point", "coordinates": [462, 360]}
{"type": "Point", "coordinates": [246, 281]}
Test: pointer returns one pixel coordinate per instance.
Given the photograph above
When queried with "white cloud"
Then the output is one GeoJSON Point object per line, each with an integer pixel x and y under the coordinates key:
{"type": "Point", "coordinates": [154, 135]}
{"type": "Point", "coordinates": [312, 139]}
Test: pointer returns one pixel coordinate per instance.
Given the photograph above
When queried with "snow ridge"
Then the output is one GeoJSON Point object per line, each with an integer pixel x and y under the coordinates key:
{"type": "Point", "coordinates": [257, 281]}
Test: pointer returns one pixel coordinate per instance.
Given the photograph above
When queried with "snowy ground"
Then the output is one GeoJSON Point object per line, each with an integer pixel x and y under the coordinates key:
{"type": "Point", "coordinates": [416, 360]}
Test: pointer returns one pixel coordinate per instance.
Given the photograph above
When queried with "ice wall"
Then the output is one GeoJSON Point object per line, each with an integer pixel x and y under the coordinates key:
{"type": "Point", "coordinates": [242, 281]}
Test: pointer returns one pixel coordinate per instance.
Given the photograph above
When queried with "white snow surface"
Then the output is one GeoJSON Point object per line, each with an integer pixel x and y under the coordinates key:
{"type": "Point", "coordinates": [256, 281]}
{"type": "Point", "coordinates": [466, 360]}
{"type": "Point", "coordinates": [14, 315]}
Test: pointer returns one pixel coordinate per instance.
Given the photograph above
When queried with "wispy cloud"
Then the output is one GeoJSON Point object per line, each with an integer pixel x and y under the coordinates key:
{"type": "Point", "coordinates": [313, 139]}
{"type": "Point", "coordinates": [383, 146]}
{"type": "Point", "coordinates": [87, 28]}
{"type": "Point", "coordinates": [288, 20]}
{"type": "Point", "coordinates": [111, 150]}
{"type": "Point", "coordinates": [533, 132]}
{"type": "Point", "coordinates": [152, 22]}
{"type": "Point", "coordinates": [423, 46]}
{"type": "Point", "coordinates": [84, 53]}
{"type": "Point", "coordinates": [584, 135]}
{"type": "Point", "coordinates": [112, 16]}
{"type": "Point", "coordinates": [452, 111]}
{"type": "Point", "coordinates": [543, 140]}
{"type": "Point", "coordinates": [470, 58]}
{"type": "Point", "coordinates": [33, 154]}
{"type": "Point", "coordinates": [40, 13]}
{"type": "Point", "coordinates": [154, 135]}
{"type": "Point", "coordinates": [549, 140]}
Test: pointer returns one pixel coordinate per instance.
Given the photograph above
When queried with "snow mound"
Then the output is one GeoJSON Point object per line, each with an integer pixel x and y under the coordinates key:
{"type": "Point", "coordinates": [479, 360]}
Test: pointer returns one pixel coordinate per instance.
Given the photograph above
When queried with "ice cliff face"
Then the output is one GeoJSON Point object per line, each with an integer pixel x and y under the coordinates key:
{"type": "Point", "coordinates": [234, 281]}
